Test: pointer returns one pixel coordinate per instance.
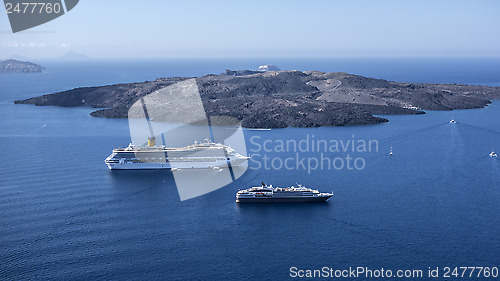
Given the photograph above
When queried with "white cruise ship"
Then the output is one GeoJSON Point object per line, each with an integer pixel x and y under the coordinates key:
{"type": "Point", "coordinates": [204, 155]}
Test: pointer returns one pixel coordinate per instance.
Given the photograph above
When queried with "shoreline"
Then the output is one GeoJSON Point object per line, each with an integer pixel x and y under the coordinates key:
{"type": "Point", "coordinates": [281, 99]}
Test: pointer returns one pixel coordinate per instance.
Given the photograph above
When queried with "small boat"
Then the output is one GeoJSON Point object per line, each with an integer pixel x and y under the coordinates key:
{"type": "Point", "coordinates": [452, 120]}
{"type": "Point", "coordinates": [493, 154]}
{"type": "Point", "coordinates": [390, 153]}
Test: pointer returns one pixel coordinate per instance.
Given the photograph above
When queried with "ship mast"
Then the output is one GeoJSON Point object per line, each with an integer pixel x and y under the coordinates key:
{"type": "Point", "coordinates": [151, 139]}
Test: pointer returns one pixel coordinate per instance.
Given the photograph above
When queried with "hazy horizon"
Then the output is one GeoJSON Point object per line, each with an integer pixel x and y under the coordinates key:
{"type": "Point", "coordinates": [260, 29]}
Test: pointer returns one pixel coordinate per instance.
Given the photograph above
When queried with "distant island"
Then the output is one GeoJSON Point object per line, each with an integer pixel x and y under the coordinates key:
{"type": "Point", "coordinates": [15, 66]}
{"type": "Point", "coordinates": [268, 67]}
{"type": "Point", "coordinates": [69, 56]}
{"type": "Point", "coordinates": [279, 99]}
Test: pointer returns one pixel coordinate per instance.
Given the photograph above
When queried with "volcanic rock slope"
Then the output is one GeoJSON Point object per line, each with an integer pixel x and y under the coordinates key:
{"type": "Point", "coordinates": [278, 99]}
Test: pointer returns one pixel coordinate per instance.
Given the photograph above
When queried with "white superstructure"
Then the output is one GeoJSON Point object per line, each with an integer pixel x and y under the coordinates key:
{"type": "Point", "coordinates": [204, 155]}
{"type": "Point", "coordinates": [272, 194]}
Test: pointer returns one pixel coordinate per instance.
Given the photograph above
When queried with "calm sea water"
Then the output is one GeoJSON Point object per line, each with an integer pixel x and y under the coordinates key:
{"type": "Point", "coordinates": [64, 215]}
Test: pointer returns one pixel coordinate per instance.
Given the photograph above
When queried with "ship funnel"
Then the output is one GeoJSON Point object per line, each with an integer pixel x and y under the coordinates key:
{"type": "Point", "coordinates": [151, 141]}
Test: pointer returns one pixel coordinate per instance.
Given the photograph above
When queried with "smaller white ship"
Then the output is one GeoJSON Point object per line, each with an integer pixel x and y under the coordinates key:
{"type": "Point", "coordinates": [493, 154]}
{"type": "Point", "coordinates": [270, 194]}
{"type": "Point", "coordinates": [452, 120]}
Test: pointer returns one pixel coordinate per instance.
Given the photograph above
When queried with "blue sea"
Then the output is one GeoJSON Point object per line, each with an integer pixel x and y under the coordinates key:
{"type": "Point", "coordinates": [65, 216]}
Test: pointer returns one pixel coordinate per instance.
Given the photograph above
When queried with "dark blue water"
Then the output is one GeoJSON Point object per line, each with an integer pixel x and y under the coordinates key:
{"type": "Point", "coordinates": [64, 215]}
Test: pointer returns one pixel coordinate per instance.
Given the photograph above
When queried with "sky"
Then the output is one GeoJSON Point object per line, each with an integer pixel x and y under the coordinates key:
{"type": "Point", "coordinates": [257, 28]}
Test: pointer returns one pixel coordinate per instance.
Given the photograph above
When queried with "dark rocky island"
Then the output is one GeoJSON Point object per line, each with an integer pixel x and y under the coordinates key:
{"type": "Point", "coordinates": [15, 66]}
{"type": "Point", "coordinates": [278, 99]}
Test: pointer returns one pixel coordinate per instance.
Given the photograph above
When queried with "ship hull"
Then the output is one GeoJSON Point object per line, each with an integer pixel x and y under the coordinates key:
{"type": "Point", "coordinates": [283, 199]}
{"type": "Point", "coordinates": [169, 166]}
